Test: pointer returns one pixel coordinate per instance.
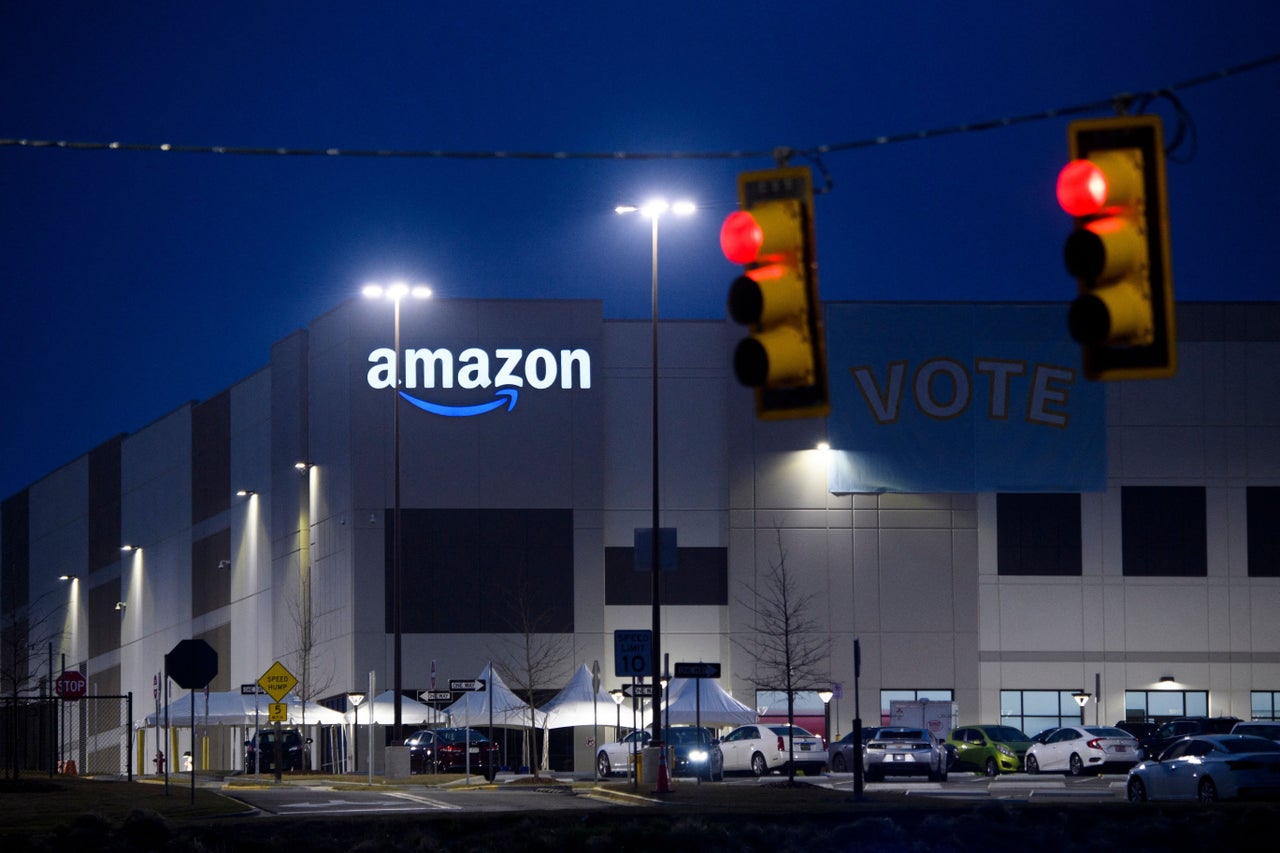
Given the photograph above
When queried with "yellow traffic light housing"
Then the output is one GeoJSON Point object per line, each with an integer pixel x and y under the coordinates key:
{"type": "Point", "coordinates": [1114, 186]}
{"type": "Point", "coordinates": [772, 235]}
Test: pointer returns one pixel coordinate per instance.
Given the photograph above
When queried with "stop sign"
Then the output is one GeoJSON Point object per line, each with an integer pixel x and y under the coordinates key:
{"type": "Point", "coordinates": [71, 685]}
{"type": "Point", "coordinates": [192, 664]}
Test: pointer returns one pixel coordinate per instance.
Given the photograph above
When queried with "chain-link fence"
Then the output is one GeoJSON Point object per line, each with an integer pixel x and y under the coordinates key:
{"type": "Point", "coordinates": [89, 736]}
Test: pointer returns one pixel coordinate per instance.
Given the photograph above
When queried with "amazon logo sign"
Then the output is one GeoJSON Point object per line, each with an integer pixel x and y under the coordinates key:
{"type": "Point", "coordinates": [507, 371]}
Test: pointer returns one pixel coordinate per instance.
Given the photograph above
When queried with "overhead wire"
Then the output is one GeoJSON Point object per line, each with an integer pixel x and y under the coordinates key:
{"type": "Point", "coordinates": [1120, 103]}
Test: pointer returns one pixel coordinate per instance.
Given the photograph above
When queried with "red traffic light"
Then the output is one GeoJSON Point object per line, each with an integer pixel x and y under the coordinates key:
{"type": "Point", "coordinates": [1082, 188]}
{"type": "Point", "coordinates": [741, 237]}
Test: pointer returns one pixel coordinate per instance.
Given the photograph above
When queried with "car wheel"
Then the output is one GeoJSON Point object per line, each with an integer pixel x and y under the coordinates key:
{"type": "Point", "coordinates": [602, 765]}
{"type": "Point", "coordinates": [837, 764]}
{"type": "Point", "coordinates": [1136, 791]}
{"type": "Point", "coordinates": [1077, 766]}
{"type": "Point", "coordinates": [1208, 791]}
{"type": "Point", "coordinates": [993, 769]}
{"type": "Point", "coordinates": [1033, 766]}
{"type": "Point", "coordinates": [758, 765]}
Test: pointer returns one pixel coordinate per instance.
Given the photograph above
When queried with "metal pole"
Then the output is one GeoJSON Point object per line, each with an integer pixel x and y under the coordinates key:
{"type": "Point", "coordinates": [857, 718]}
{"type": "Point", "coordinates": [399, 537]}
{"type": "Point", "coordinates": [657, 607]}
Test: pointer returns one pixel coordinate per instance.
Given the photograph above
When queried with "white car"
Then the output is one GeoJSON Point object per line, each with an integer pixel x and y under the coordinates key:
{"type": "Point", "coordinates": [761, 749]}
{"type": "Point", "coordinates": [1075, 749]}
{"type": "Point", "coordinates": [616, 757]}
{"type": "Point", "coordinates": [1209, 768]}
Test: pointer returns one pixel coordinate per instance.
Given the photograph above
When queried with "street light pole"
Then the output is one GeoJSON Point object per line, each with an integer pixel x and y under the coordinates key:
{"type": "Point", "coordinates": [654, 210]}
{"type": "Point", "coordinates": [395, 293]}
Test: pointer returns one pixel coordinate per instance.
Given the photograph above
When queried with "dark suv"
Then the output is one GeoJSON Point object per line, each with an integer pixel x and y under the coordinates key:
{"type": "Point", "coordinates": [1175, 730]}
{"type": "Point", "coordinates": [262, 749]}
{"type": "Point", "coordinates": [1148, 735]}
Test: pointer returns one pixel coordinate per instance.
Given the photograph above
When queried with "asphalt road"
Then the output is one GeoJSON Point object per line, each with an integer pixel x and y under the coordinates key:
{"type": "Point", "coordinates": [326, 800]}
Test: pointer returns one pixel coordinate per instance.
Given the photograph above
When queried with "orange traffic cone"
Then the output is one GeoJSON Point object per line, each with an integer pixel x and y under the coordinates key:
{"type": "Point", "coordinates": [664, 781]}
{"type": "Point", "coordinates": [69, 768]}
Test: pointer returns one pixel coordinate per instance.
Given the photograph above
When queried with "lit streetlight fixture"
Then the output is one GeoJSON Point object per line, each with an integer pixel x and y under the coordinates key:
{"type": "Point", "coordinates": [356, 698]}
{"type": "Point", "coordinates": [395, 292]}
{"type": "Point", "coordinates": [654, 210]}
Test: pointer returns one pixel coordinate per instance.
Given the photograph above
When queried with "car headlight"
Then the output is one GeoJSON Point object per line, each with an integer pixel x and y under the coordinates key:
{"type": "Point", "coordinates": [1004, 750]}
{"type": "Point", "coordinates": [697, 755]}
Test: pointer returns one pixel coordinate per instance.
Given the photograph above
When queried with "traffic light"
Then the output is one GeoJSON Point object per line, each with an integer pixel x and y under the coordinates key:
{"type": "Point", "coordinates": [1114, 186]}
{"type": "Point", "coordinates": [772, 235]}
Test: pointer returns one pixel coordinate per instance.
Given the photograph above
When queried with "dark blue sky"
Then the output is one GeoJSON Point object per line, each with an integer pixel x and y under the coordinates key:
{"type": "Point", "coordinates": [137, 280]}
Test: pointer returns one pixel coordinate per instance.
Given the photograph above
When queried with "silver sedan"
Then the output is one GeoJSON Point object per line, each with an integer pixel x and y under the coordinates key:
{"type": "Point", "coordinates": [1209, 768]}
{"type": "Point", "coordinates": [900, 751]}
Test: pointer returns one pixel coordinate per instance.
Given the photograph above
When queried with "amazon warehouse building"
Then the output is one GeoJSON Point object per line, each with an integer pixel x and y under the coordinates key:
{"type": "Point", "coordinates": [989, 527]}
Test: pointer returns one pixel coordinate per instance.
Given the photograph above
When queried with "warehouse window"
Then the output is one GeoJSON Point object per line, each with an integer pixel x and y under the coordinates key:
{"type": "Point", "coordinates": [1263, 525]}
{"type": "Point", "coordinates": [1033, 711]}
{"type": "Point", "coordinates": [1264, 705]}
{"type": "Point", "coordinates": [483, 571]}
{"type": "Point", "coordinates": [1160, 706]}
{"type": "Point", "coordinates": [1038, 534]}
{"type": "Point", "coordinates": [889, 696]}
{"type": "Point", "coordinates": [700, 577]}
{"type": "Point", "coordinates": [1163, 531]}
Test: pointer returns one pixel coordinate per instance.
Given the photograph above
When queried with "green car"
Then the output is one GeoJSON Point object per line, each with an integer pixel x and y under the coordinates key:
{"type": "Point", "coordinates": [990, 749]}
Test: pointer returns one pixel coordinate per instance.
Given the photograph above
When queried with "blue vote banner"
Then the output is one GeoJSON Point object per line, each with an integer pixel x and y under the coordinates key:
{"type": "Point", "coordinates": [961, 398]}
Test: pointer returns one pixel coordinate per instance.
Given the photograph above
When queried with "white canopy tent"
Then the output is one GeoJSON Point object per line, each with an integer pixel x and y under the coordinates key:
{"type": "Point", "coordinates": [574, 706]}
{"type": "Point", "coordinates": [383, 707]}
{"type": "Point", "coordinates": [225, 708]}
{"type": "Point", "coordinates": [232, 708]}
{"type": "Point", "coordinates": [703, 699]}
{"type": "Point", "coordinates": [508, 708]}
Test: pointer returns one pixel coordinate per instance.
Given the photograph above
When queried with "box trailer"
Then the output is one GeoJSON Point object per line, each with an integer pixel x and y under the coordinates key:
{"type": "Point", "coordinates": [939, 717]}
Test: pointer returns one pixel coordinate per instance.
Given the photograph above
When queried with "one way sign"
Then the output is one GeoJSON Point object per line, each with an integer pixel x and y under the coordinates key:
{"type": "Point", "coordinates": [635, 690]}
{"type": "Point", "coordinates": [472, 685]}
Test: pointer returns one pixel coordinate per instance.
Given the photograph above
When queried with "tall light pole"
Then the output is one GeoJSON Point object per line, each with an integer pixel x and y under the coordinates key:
{"type": "Point", "coordinates": [654, 210]}
{"type": "Point", "coordinates": [396, 292]}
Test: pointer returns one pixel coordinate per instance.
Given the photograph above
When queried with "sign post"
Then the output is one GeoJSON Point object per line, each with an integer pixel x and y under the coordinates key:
{"type": "Point", "coordinates": [277, 681]}
{"type": "Point", "coordinates": [192, 664]}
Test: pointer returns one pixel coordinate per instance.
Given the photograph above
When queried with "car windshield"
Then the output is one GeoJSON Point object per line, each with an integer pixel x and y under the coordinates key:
{"type": "Point", "coordinates": [1005, 733]}
{"type": "Point", "coordinates": [459, 736]}
{"type": "Point", "coordinates": [901, 734]}
{"type": "Point", "coordinates": [1250, 744]}
{"type": "Point", "coordinates": [1107, 731]}
{"type": "Point", "coordinates": [686, 735]}
{"type": "Point", "coordinates": [795, 731]}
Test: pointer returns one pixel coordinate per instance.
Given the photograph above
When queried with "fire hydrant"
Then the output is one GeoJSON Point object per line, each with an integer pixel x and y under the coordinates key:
{"type": "Point", "coordinates": [159, 762]}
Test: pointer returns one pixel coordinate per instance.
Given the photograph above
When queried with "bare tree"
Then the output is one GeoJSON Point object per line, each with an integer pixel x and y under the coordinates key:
{"type": "Point", "coordinates": [26, 629]}
{"type": "Point", "coordinates": [532, 655]}
{"type": "Point", "coordinates": [310, 682]}
{"type": "Point", "coordinates": [788, 652]}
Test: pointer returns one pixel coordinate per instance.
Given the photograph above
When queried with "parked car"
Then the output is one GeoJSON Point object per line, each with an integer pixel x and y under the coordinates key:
{"type": "Point", "coordinates": [1078, 749]}
{"type": "Point", "coordinates": [1043, 735]}
{"type": "Point", "coordinates": [1175, 730]}
{"type": "Point", "coordinates": [1209, 768]}
{"type": "Point", "coordinates": [1260, 728]}
{"type": "Point", "coordinates": [260, 751]}
{"type": "Point", "coordinates": [422, 745]}
{"type": "Point", "coordinates": [615, 757]}
{"type": "Point", "coordinates": [455, 751]}
{"type": "Point", "coordinates": [842, 755]}
{"type": "Point", "coordinates": [1148, 735]}
{"type": "Point", "coordinates": [696, 752]}
{"type": "Point", "coordinates": [989, 749]}
{"type": "Point", "coordinates": [902, 751]}
{"type": "Point", "coordinates": [762, 749]}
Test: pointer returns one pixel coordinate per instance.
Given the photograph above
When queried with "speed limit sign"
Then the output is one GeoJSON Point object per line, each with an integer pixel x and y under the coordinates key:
{"type": "Point", "coordinates": [631, 653]}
